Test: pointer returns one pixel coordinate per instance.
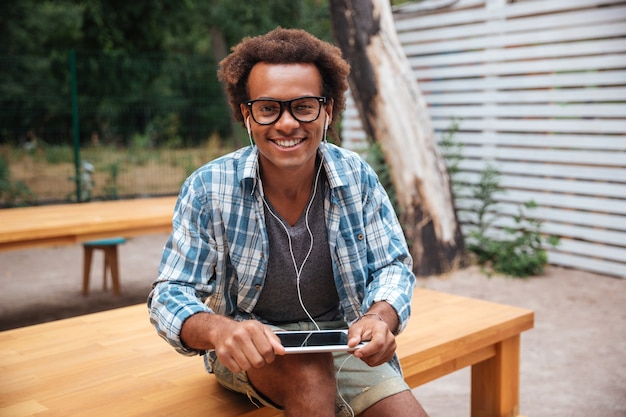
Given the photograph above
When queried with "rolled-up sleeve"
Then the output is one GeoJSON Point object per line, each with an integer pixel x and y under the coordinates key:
{"type": "Point", "coordinates": [185, 273]}
{"type": "Point", "coordinates": [170, 305]}
{"type": "Point", "coordinates": [391, 278]}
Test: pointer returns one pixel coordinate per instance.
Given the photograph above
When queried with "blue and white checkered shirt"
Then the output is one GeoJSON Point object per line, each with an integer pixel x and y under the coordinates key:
{"type": "Point", "coordinates": [216, 257]}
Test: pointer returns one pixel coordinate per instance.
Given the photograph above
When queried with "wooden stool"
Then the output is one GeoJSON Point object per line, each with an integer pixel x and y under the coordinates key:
{"type": "Point", "coordinates": [109, 247]}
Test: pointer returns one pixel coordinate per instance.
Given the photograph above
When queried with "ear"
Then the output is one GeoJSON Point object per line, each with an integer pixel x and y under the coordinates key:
{"type": "Point", "coordinates": [245, 113]}
{"type": "Point", "coordinates": [329, 113]}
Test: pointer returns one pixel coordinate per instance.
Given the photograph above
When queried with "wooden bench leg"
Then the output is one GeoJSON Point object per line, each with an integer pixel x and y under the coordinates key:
{"type": "Point", "coordinates": [87, 255]}
{"type": "Point", "coordinates": [114, 268]}
{"type": "Point", "coordinates": [495, 382]}
{"type": "Point", "coordinates": [106, 267]}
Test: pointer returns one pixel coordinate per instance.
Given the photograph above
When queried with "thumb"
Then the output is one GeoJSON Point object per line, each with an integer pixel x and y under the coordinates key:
{"type": "Point", "coordinates": [278, 348]}
{"type": "Point", "coordinates": [354, 337]}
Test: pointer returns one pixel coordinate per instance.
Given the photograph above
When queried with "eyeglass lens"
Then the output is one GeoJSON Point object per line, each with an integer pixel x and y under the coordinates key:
{"type": "Point", "coordinates": [303, 109]}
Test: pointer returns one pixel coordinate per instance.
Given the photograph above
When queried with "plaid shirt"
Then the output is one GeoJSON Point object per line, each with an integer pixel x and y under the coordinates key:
{"type": "Point", "coordinates": [216, 257]}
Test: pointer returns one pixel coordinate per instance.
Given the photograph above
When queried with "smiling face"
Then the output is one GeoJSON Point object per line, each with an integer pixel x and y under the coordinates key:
{"type": "Point", "coordinates": [287, 146]}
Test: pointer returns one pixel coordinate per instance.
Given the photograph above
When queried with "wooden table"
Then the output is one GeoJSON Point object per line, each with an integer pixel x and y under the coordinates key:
{"type": "Point", "coordinates": [113, 363]}
{"type": "Point", "coordinates": [71, 223]}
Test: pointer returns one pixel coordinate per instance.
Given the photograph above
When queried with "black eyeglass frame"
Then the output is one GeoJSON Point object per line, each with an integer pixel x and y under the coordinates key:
{"type": "Point", "coordinates": [287, 104]}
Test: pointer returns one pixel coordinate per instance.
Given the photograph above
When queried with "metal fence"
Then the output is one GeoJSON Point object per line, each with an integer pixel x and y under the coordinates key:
{"type": "Point", "coordinates": [83, 125]}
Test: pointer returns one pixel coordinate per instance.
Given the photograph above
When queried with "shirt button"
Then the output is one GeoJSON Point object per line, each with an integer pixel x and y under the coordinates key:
{"type": "Point", "coordinates": [261, 255]}
{"type": "Point", "coordinates": [257, 287]}
{"type": "Point", "coordinates": [360, 236]}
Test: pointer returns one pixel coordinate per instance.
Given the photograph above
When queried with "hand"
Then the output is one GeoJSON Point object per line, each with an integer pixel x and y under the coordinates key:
{"type": "Point", "coordinates": [247, 344]}
{"type": "Point", "coordinates": [240, 346]}
{"type": "Point", "coordinates": [382, 342]}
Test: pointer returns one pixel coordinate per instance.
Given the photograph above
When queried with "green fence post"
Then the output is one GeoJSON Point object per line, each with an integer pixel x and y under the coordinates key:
{"type": "Point", "coordinates": [75, 124]}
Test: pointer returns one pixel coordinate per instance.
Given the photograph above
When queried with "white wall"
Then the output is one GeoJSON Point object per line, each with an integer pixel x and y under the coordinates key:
{"type": "Point", "coordinates": [539, 87]}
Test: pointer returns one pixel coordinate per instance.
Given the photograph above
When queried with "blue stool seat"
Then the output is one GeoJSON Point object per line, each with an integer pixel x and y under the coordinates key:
{"type": "Point", "coordinates": [106, 242]}
{"type": "Point", "coordinates": [109, 247]}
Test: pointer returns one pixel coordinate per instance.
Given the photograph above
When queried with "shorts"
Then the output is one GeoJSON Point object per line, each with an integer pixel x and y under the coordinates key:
{"type": "Point", "coordinates": [360, 385]}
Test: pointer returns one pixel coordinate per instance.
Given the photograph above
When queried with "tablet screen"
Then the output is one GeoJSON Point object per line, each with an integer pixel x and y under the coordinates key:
{"type": "Point", "coordinates": [316, 341]}
{"type": "Point", "coordinates": [324, 338]}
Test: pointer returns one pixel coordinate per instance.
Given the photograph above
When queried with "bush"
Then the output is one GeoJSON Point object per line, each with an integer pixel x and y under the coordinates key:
{"type": "Point", "coordinates": [13, 193]}
{"type": "Point", "coordinates": [516, 251]}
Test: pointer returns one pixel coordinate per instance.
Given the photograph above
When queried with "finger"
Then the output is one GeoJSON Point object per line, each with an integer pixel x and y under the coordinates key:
{"type": "Point", "coordinates": [358, 334]}
{"type": "Point", "coordinates": [374, 359]}
{"type": "Point", "coordinates": [266, 346]}
{"type": "Point", "coordinates": [229, 362]}
{"type": "Point", "coordinates": [274, 340]}
{"type": "Point", "coordinates": [353, 341]}
{"type": "Point", "coordinates": [247, 347]}
{"type": "Point", "coordinates": [379, 350]}
{"type": "Point", "coordinates": [237, 359]}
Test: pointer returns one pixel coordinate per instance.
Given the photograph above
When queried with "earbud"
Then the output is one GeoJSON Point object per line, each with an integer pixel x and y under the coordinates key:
{"type": "Point", "coordinates": [249, 131]}
{"type": "Point", "coordinates": [325, 129]}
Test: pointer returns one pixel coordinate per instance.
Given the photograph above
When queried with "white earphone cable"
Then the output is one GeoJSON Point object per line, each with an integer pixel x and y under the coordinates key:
{"type": "Point", "coordinates": [293, 258]}
{"type": "Point", "coordinates": [299, 270]}
{"type": "Point", "coordinates": [338, 390]}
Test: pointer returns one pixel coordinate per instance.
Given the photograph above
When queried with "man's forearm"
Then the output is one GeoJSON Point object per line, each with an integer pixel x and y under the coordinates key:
{"type": "Point", "coordinates": [197, 329]}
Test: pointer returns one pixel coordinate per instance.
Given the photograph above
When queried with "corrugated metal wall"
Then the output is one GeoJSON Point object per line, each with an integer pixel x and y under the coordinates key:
{"type": "Point", "coordinates": [539, 90]}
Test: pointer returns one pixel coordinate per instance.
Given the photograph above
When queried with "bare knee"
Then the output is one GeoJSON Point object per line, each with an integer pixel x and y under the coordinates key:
{"type": "Point", "coordinates": [296, 382]}
{"type": "Point", "coordinates": [402, 404]}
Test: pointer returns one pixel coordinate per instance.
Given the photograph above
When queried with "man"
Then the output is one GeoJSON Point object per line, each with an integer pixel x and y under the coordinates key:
{"type": "Point", "coordinates": [288, 233]}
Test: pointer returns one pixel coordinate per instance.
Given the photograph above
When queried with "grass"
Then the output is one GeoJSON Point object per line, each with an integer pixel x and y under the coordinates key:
{"type": "Point", "coordinates": [49, 172]}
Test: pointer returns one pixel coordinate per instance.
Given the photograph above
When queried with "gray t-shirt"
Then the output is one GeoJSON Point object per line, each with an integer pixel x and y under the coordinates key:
{"type": "Point", "coordinates": [278, 302]}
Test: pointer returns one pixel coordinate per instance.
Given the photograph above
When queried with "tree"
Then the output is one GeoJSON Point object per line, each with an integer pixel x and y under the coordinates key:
{"type": "Point", "coordinates": [32, 67]}
{"type": "Point", "coordinates": [394, 114]}
{"type": "Point", "coordinates": [143, 67]}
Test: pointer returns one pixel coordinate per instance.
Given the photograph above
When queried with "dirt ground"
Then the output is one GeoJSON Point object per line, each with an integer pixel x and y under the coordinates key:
{"type": "Point", "coordinates": [573, 363]}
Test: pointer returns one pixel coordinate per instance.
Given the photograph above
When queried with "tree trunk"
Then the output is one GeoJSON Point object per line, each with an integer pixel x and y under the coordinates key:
{"type": "Point", "coordinates": [395, 115]}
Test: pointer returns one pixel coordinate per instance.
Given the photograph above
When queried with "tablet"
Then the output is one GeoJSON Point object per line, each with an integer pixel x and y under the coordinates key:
{"type": "Point", "coordinates": [316, 341]}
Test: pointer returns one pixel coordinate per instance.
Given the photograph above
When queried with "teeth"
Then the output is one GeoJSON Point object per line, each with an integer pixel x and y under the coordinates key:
{"type": "Point", "coordinates": [288, 143]}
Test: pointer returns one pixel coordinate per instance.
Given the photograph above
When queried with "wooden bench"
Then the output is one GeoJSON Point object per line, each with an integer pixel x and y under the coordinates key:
{"type": "Point", "coordinates": [65, 224]}
{"type": "Point", "coordinates": [113, 364]}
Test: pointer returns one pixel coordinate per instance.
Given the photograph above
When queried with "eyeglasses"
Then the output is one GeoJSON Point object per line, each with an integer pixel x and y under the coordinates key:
{"type": "Point", "coordinates": [266, 111]}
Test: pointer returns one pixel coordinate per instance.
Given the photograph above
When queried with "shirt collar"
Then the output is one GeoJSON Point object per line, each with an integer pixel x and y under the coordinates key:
{"type": "Point", "coordinates": [248, 171]}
